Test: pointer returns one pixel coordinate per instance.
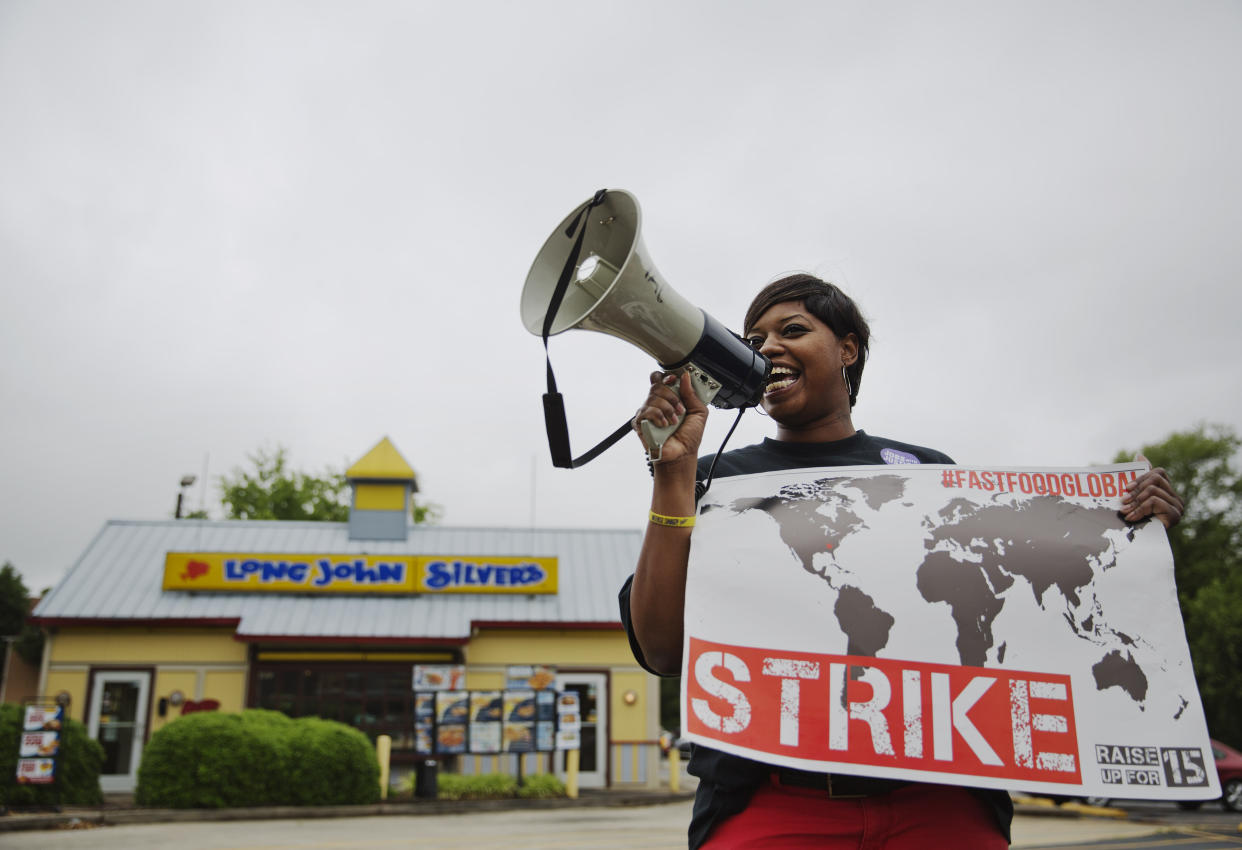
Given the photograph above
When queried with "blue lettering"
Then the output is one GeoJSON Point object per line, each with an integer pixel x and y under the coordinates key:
{"type": "Point", "coordinates": [297, 572]}
{"type": "Point", "coordinates": [364, 574]}
{"type": "Point", "coordinates": [393, 573]}
{"type": "Point", "coordinates": [325, 568]}
{"type": "Point", "coordinates": [231, 573]}
{"type": "Point", "coordinates": [442, 574]}
{"type": "Point", "coordinates": [343, 570]}
{"type": "Point", "coordinates": [438, 575]}
{"type": "Point", "coordinates": [282, 570]}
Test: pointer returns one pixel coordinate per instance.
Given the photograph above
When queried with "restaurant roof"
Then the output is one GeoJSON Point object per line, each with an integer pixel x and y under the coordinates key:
{"type": "Point", "coordinates": [119, 578]}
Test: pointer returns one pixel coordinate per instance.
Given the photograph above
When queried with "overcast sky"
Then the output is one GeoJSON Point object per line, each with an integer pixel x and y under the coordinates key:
{"type": "Point", "coordinates": [227, 226]}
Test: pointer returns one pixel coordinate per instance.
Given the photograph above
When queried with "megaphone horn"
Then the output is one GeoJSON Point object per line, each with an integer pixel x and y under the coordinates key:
{"type": "Point", "coordinates": [594, 273]}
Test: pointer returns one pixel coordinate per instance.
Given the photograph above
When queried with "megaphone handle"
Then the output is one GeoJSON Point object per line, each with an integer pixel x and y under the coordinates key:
{"type": "Point", "coordinates": [705, 387]}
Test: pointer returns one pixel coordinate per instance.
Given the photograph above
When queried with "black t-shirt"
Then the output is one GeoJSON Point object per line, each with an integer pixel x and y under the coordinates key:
{"type": "Point", "coordinates": [726, 781]}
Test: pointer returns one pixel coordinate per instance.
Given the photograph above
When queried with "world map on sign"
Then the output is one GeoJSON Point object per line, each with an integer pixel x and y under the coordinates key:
{"type": "Point", "coordinates": [973, 558]}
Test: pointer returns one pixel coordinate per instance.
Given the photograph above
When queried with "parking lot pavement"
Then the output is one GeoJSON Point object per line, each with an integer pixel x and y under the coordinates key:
{"type": "Point", "coordinates": [660, 827]}
{"type": "Point", "coordinates": [656, 827]}
{"type": "Point", "coordinates": [1036, 831]}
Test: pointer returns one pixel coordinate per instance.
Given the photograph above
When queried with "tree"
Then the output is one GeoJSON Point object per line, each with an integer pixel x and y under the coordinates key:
{"type": "Point", "coordinates": [1207, 556]}
{"type": "Point", "coordinates": [14, 607]}
{"type": "Point", "coordinates": [14, 600]}
{"type": "Point", "coordinates": [272, 491]}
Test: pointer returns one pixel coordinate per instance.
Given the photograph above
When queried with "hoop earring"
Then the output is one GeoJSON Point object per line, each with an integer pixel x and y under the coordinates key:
{"type": "Point", "coordinates": [849, 390]}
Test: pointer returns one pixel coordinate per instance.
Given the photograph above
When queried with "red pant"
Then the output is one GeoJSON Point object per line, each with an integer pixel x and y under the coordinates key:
{"type": "Point", "coordinates": [917, 817]}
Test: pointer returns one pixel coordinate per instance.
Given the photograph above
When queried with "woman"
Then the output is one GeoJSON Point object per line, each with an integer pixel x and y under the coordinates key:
{"type": "Point", "coordinates": [817, 341]}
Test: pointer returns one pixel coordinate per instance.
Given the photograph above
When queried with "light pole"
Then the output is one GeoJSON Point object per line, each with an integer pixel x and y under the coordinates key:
{"type": "Point", "coordinates": [186, 481]}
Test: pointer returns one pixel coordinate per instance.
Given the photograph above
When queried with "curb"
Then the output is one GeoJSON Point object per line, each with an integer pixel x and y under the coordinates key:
{"type": "Point", "coordinates": [75, 818]}
{"type": "Point", "coordinates": [1042, 807]}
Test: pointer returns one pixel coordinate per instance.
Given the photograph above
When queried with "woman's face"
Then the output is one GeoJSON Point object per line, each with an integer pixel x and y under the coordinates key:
{"type": "Point", "coordinates": [806, 385]}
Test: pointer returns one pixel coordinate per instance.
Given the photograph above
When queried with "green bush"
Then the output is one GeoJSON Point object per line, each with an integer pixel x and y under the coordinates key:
{"type": "Point", "coordinates": [542, 785]}
{"type": "Point", "coordinates": [484, 786]}
{"type": "Point", "coordinates": [490, 786]}
{"type": "Point", "coordinates": [256, 758]}
{"type": "Point", "coordinates": [77, 778]}
{"type": "Point", "coordinates": [352, 774]}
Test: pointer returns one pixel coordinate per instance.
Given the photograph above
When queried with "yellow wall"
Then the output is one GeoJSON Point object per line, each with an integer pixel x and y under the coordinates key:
{"type": "Point", "coordinates": [484, 680]}
{"type": "Point", "coordinates": [167, 681]}
{"type": "Point", "coordinates": [629, 722]}
{"type": "Point", "coordinates": [146, 646]}
{"type": "Point", "coordinates": [73, 681]}
{"type": "Point", "coordinates": [186, 660]}
{"type": "Point", "coordinates": [227, 686]}
{"type": "Point", "coordinates": [380, 497]}
{"type": "Point", "coordinates": [561, 647]}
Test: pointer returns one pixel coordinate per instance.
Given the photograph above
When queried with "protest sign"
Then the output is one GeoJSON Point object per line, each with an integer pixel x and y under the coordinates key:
{"type": "Point", "coordinates": [998, 628]}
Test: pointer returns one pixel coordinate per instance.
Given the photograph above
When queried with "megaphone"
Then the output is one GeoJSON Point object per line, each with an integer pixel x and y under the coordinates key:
{"type": "Point", "coordinates": [593, 273]}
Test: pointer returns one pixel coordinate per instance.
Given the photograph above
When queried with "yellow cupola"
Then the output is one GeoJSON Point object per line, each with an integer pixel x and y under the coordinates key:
{"type": "Point", "coordinates": [383, 484]}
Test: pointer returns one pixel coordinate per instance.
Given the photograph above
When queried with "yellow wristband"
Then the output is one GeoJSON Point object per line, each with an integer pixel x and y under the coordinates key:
{"type": "Point", "coordinates": [672, 521]}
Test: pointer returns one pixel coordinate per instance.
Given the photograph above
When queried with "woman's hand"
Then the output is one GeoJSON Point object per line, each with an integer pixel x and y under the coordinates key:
{"type": "Point", "coordinates": [657, 597]}
{"type": "Point", "coordinates": [664, 406]}
{"type": "Point", "coordinates": [1152, 494]}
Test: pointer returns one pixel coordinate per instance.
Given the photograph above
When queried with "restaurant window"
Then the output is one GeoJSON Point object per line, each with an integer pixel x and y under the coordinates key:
{"type": "Point", "coordinates": [374, 698]}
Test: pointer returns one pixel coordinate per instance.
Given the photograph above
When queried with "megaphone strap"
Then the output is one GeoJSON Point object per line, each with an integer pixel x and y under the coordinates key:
{"type": "Point", "coordinates": [553, 402]}
{"type": "Point", "coordinates": [558, 435]}
{"type": "Point", "coordinates": [571, 262]}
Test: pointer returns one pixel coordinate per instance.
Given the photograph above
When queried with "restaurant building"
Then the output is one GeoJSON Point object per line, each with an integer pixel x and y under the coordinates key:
{"type": "Point", "coordinates": [160, 618]}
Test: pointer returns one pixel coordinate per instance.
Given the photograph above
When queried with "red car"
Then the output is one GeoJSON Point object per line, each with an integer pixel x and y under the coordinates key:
{"type": "Point", "coordinates": [1229, 770]}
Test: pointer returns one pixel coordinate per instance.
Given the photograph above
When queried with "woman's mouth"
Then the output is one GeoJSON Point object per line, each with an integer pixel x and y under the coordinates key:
{"type": "Point", "coordinates": [780, 378]}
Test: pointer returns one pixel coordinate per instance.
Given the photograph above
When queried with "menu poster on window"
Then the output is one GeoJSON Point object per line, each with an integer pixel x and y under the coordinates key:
{"type": "Point", "coordinates": [485, 737]}
{"type": "Point", "coordinates": [439, 677]}
{"type": "Point", "coordinates": [451, 739]}
{"type": "Point", "coordinates": [519, 720]}
{"type": "Point", "coordinates": [545, 705]}
{"type": "Point", "coordinates": [39, 744]}
{"type": "Point", "coordinates": [485, 706]}
{"type": "Point", "coordinates": [452, 714]}
{"type": "Point", "coordinates": [519, 706]}
{"type": "Point", "coordinates": [452, 707]}
{"type": "Point", "coordinates": [424, 722]}
{"type": "Point", "coordinates": [423, 733]}
{"type": "Point", "coordinates": [545, 736]}
{"type": "Point", "coordinates": [536, 677]}
{"type": "Point", "coordinates": [567, 703]}
{"type": "Point", "coordinates": [519, 737]}
{"type": "Point", "coordinates": [519, 734]}
{"type": "Point", "coordinates": [485, 716]}
{"type": "Point", "coordinates": [569, 721]}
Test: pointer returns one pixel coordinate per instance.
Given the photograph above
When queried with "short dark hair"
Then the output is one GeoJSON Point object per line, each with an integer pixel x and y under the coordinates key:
{"type": "Point", "coordinates": [828, 304]}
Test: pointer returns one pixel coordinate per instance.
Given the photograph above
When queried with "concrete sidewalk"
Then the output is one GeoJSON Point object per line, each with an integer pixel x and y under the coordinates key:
{"type": "Point", "coordinates": [119, 809]}
{"type": "Point", "coordinates": [1038, 823]}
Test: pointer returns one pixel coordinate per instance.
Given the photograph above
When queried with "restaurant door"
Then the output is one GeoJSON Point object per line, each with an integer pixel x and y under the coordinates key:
{"type": "Point", "coordinates": [592, 690]}
{"type": "Point", "coordinates": [118, 721]}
